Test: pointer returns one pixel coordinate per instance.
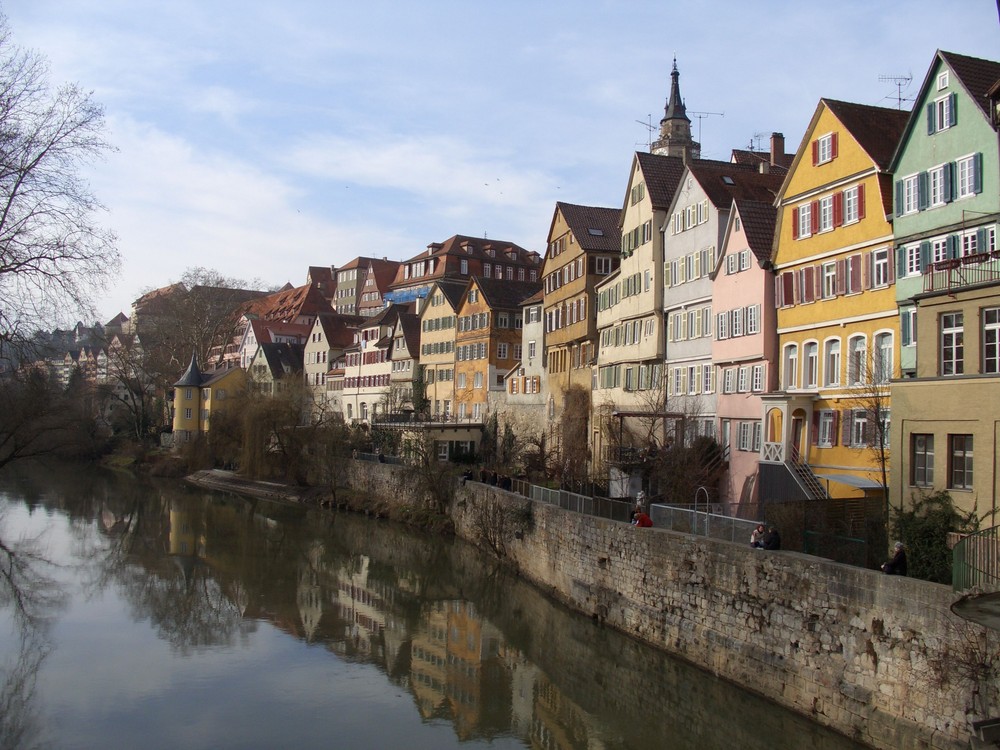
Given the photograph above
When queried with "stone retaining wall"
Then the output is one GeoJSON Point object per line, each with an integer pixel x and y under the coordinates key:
{"type": "Point", "coordinates": [879, 658]}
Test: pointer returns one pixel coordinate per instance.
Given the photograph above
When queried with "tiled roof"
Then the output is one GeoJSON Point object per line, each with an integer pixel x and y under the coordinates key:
{"type": "Point", "coordinates": [507, 294]}
{"type": "Point", "coordinates": [452, 289]}
{"type": "Point", "coordinates": [759, 218]}
{"type": "Point", "coordinates": [756, 158]}
{"type": "Point", "coordinates": [977, 75]}
{"type": "Point", "coordinates": [876, 129]}
{"type": "Point", "coordinates": [287, 305]}
{"type": "Point", "coordinates": [283, 359]}
{"type": "Point", "coordinates": [595, 229]}
{"type": "Point", "coordinates": [662, 175]}
{"type": "Point", "coordinates": [339, 329]}
{"type": "Point", "coordinates": [410, 323]}
{"type": "Point", "coordinates": [535, 299]}
{"type": "Point", "coordinates": [724, 182]}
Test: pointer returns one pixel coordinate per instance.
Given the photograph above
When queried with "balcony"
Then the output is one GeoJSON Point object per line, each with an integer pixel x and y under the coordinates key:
{"type": "Point", "coordinates": [958, 273]}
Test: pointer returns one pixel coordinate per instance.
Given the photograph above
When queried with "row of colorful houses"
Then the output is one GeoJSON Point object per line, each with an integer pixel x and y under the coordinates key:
{"type": "Point", "coordinates": [830, 316]}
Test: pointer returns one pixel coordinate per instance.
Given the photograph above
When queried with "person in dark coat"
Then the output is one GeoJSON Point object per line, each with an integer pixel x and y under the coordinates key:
{"type": "Point", "coordinates": [772, 539]}
{"type": "Point", "coordinates": [897, 565]}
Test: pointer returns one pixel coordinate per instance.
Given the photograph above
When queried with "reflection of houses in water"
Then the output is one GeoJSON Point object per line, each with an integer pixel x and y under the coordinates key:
{"type": "Point", "coordinates": [362, 610]}
{"type": "Point", "coordinates": [186, 538]}
{"type": "Point", "coordinates": [309, 593]}
{"type": "Point", "coordinates": [558, 723]}
{"type": "Point", "coordinates": [457, 673]}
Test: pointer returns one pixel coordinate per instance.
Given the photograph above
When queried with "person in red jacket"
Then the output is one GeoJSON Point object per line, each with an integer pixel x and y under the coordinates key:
{"type": "Point", "coordinates": [641, 519]}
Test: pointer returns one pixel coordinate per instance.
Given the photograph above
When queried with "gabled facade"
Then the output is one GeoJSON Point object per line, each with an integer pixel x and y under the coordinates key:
{"type": "Point", "coordinates": [629, 371]}
{"type": "Point", "coordinates": [360, 277]}
{"type": "Point", "coordinates": [329, 337]}
{"type": "Point", "coordinates": [374, 286]}
{"type": "Point", "coordinates": [487, 341]}
{"type": "Point", "coordinates": [836, 309]}
{"type": "Point", "coordinates": [527, 399]}
{"type": "Point", "coordinates": [368, 367]}
{"type": "Point", "coordinates": [745, 346]}
{"type": "Point", "coordinates": [438, 328]}
{"type": "Point", "coordinates": [946, 213]}
{"type": "Point", "coordinates": [405, 362]}
{"type": "Point", "coordinates": [257, 331]}
{"type": "Point", "coordinates": [276, 367]}
{"type": "Point", "coordinates": [693, 233]}
{"type": "Point", "coordinates": [583, 248]}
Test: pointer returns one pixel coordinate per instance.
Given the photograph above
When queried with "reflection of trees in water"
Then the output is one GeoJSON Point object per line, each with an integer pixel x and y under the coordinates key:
{"type": "Point", "coordinates": [31, 595]}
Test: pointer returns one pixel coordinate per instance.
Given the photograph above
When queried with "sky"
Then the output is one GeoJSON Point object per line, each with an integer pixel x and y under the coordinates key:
{"type": "Point", "coordinates": [258, 139]}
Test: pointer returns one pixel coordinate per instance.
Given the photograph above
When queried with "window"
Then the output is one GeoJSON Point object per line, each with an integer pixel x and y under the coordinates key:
{"type": "Point", "coordinates": [940, 114]}
{"type": "Point", "coordinates": [940, 188]}
{"type": "Point", "coordinates": [827, 428]}
{"type": "Point", "coordinates": [831, 361]}
{"type": "Point", "coordinates": [829, 280]}
{"type": "Point", "coordinates": [859, 428]}
{"type": "Point", "coordinates": [810, 364]}
{"type": "Point", "coordinates": [805, 221]}
{"type": "Point", "coordinates": [912, 254]}
{"type": "Point", "coordinates": [757, 378]}
{"type": "Point", "coordinates": [910, 194]}
{"type": "Point", "coordinates": [952, 344]}
{"type": "Point", "coordinates": [882, 357]}
{"type": "Point", "coordinates": [968, 176]}
{"type": "Point", "coordinates": [501, 351]}
{"type": "Point", "coordinates": [729, 380]}
{"type": "Point", "coordinates": [960, 462]}
{"type": "Point", "coordinates": [791, 366]}
{"type": "Point", "coordinates": [991, 340]}
{"type": "Point", "coordinates": [852, 212]}
{"type": "Point", "coordinates": [753, 319]}
{"type": "Point", "coordinates": [187, 414]}
{"type": "Point", "coordinates": [461, 380]}
{"type": "Point", "coordinates": [477, 380]}
{"type": "Point", "coordinates": [187, 394]}
{"type": "Point", "coordinates": [908, 326]}
{"type": "Point", "coordinates": [464, 267]}
{"type": "Point", "coordinates": [743, 384]}
{"type": "Point", "coordinates": [880, 267]}
{"type": "Point", "coordinates": [824, 149]}
{"type": "Point", "coordinates": [922, 460]}
{"type": "Point", "coordinates": [856, 356]}
{"type": "Point", "coordinates": [826, 214]}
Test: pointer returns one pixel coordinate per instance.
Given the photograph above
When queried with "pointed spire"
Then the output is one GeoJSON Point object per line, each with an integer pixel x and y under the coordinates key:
{"type": "Point", "coordinates": [192, 375]}
{"type": "Point", "coordinates": [674, 109]}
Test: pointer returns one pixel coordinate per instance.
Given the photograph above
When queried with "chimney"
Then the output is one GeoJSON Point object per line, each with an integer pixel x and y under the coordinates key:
{"type": "Point", "coordinates": [777, 148]}
{"type": "Point", "coordinates": [764, 167]}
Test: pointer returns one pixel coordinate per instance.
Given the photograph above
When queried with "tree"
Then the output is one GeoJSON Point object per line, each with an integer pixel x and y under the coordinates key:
{"type": "Point", "coordinates": [870, 406]}
{"type": "Point", "coordinates": [128, 396]}
{"type": "Point", "coordinates": [53, 253]}
{"type": "Point", "coordinates": [923, 527]}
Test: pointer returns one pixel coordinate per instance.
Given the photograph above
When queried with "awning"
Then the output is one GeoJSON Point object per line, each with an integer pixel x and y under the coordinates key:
{"type": "Point", "coordinates": [849, 479]}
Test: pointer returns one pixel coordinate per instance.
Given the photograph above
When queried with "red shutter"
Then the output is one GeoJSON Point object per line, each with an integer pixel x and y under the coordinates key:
{"type": "Point", "coordinates": [786, 288]}
{"type": "Point", "coordinates": [868, 270]}
{"type": "Point", "coordinates": [860, 276]}
{"type": "Point", "coordinates": [795, 223]}
{"type": "Point", "coordinates": [845, 428]}
{"type": "Point", "coordinates": [815, 429]}
{"type": "Point", "coordinates": [818, 279]}
{"type": "Point", "coordinates": [808, 283]}
{"type": "Point", "coordinates": [838, 209]}
{"type": "Point", "coordinates": [833, 430]}
{"type": "Point", "coordinates": [815, 152]}
{"type": "Point", "coordinates": [841, 276]}
{"type": "Point", "coordinates": [833, 146]}
{"type": "Point", "coordinates": [814, 216]}
{"type": "Point", "coordinates": [861, 201]}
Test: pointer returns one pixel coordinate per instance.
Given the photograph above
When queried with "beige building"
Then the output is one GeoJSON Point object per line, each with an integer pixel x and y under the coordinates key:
{"type": "Point", "coordinates": [438, 326]}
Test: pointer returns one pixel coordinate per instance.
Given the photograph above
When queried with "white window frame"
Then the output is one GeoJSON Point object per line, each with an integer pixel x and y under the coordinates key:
{"type": "Point", "coordinates": [824, 148]}
{"type": "Point", "coordinates": [965, 171]}
{"type": "Point", "coordinates": [911, 193]}
{"type": "Point", "coordinates": [852, 212]}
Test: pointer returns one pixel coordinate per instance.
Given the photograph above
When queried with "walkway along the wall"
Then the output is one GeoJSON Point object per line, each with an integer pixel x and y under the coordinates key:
{"type": "Point", "coordinates": [879, 658]}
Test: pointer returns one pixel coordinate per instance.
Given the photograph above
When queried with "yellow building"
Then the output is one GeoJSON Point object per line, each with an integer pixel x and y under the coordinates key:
{"type": "Point", "coordinates": [197, 396]}
{"type": "Point", "coordinates": [837, 321]}
{"type": "Point", "coordinates": [583, 248]}
{"type": "Point", "coordinates": [438, 326]}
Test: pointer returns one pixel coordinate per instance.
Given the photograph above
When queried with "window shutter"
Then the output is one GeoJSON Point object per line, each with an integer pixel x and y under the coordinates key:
{"type": "Point", "coordinates": [946, 181]}
{"type": "Point", "coordinates": [818, 281]}
{"type": "Point", "coordinates": [981, 240]}
{"type": "Point", "coordinates": [923, 190]}
{"type": "Point", "coordinates": [861, 201]}
{"type": "Point", "coordinates": [952, 245]}
{"type": "Point", "coordinates": [899, 198]}
{"type": "Point", "coordinates": [838, 209]}
{"type": "Point", "coordinates": [795, 223]}
{"type": "Point", "coordinates": [845, 427]}
{"type": "Point", "coordinates": [814, 216]}
{"type": "Point", "coordinates": [930, 118]}
{"type": "Point", "coordinates": [900, 261]}
{"type": "Point", "coordinates": [815, 152]}
{"type": "Point", "coordinates": [841, 276]}
{"type": "Point", "coordinates": [834, 150]}
{"type": "Point", "coordinates": [890, 270]}
{"type": "Point", "coordinates": [925, 255]}
{"type": "Point", "coordinates": [953, 110]}
{"type": "Point", "coordinates": [867, 272]}
{"type": "Point", "coordinates": [815, 428]}
{"type": "Point", "coordinates": [977, 173]}
{"type": "Point", "coordinates": [904, 327]}
{"type": "Point", "coordinates": [786, 288]}
{"type": "Point", "coordinates": [796, 290]}
{"type": "Point", "coordinates": [833, 429]}
{"type": "Point", "coordinates": [808, 283]}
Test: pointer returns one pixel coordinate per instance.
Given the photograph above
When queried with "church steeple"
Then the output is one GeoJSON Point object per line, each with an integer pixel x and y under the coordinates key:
{"type": "Point", "coordinates": [675, 127]}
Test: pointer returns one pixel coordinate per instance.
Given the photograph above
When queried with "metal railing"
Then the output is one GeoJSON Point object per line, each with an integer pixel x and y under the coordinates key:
{"type": "Point", "coordinates": [976, 562]}
{"type": "Point", "coordinates": [698, 522]}
{"type": "Point", "coordinates": [961, 272]}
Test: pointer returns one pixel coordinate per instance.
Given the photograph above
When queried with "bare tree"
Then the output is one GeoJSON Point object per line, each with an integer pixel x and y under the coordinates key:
{"type": "Point", "coordinates": [870, 408]}
{"type": "Point", "coordinates": [53, 254]}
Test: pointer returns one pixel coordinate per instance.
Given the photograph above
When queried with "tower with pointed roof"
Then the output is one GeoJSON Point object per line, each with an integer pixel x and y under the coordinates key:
{"type": "Point", "coordinates": [675, 127]}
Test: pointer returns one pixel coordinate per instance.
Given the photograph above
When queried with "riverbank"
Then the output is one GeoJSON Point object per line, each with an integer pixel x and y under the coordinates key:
{"type": "Point", "coordinates": [879, 658]}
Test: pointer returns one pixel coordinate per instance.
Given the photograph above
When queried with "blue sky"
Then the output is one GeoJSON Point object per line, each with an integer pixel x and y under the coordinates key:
{"type": "Point", "coordinates": [261, 138]}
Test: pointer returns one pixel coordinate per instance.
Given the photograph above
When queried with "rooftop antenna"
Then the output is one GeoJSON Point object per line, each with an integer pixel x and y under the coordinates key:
{"type": "Point", "coordinates": [756, 139]}
{"type": "Point", "coordinates": [900, 82]}
{"type": "Point", "coordinates": [702, 115]}
{"type": "Point", "coordinates": [649, 131]}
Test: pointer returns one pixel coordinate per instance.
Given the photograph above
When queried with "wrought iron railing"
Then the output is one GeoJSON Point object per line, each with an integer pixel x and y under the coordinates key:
{"type": "Point", "coordinates": [968, 270]}
{"type": "Point", "coordinates": [976, 562]}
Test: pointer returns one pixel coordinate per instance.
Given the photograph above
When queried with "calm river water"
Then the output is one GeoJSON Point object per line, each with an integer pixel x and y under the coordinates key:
{"type": "Point", "coordinates": [154, 615]}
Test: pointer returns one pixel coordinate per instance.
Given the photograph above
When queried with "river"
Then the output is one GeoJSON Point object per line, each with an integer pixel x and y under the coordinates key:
{"type": "Point", "coordinates": [150, 614]}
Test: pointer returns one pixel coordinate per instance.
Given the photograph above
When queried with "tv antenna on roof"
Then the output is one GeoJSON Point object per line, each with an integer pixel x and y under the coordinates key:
{"type": "Point", "coordinates": [650, 129]}
{"type": "Point", "coordinates": [702, 115]}
{"type": "Point", "coordinates": [900, 82]}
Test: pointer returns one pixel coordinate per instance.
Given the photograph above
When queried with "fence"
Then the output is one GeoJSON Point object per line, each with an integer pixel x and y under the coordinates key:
{"type": "Point", "coordinates": [976, 562]}
{"type": "Point", "coordinates": [712, 525]}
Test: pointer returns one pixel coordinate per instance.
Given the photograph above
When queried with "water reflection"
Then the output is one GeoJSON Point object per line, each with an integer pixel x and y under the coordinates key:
{"type": "Point", "coordinates": [473, 648]}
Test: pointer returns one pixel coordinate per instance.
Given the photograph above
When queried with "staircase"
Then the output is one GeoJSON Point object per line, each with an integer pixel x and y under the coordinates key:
{"type": "Point", "coordinates": [808, 481]}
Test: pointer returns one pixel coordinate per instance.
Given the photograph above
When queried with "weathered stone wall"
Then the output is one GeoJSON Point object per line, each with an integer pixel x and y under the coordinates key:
{"type": "Point", "coordinates": [880, 658]}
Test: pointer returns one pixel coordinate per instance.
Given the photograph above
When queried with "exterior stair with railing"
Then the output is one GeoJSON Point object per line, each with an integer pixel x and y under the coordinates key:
{"type": "Point", "coordinates": [808, 481]}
